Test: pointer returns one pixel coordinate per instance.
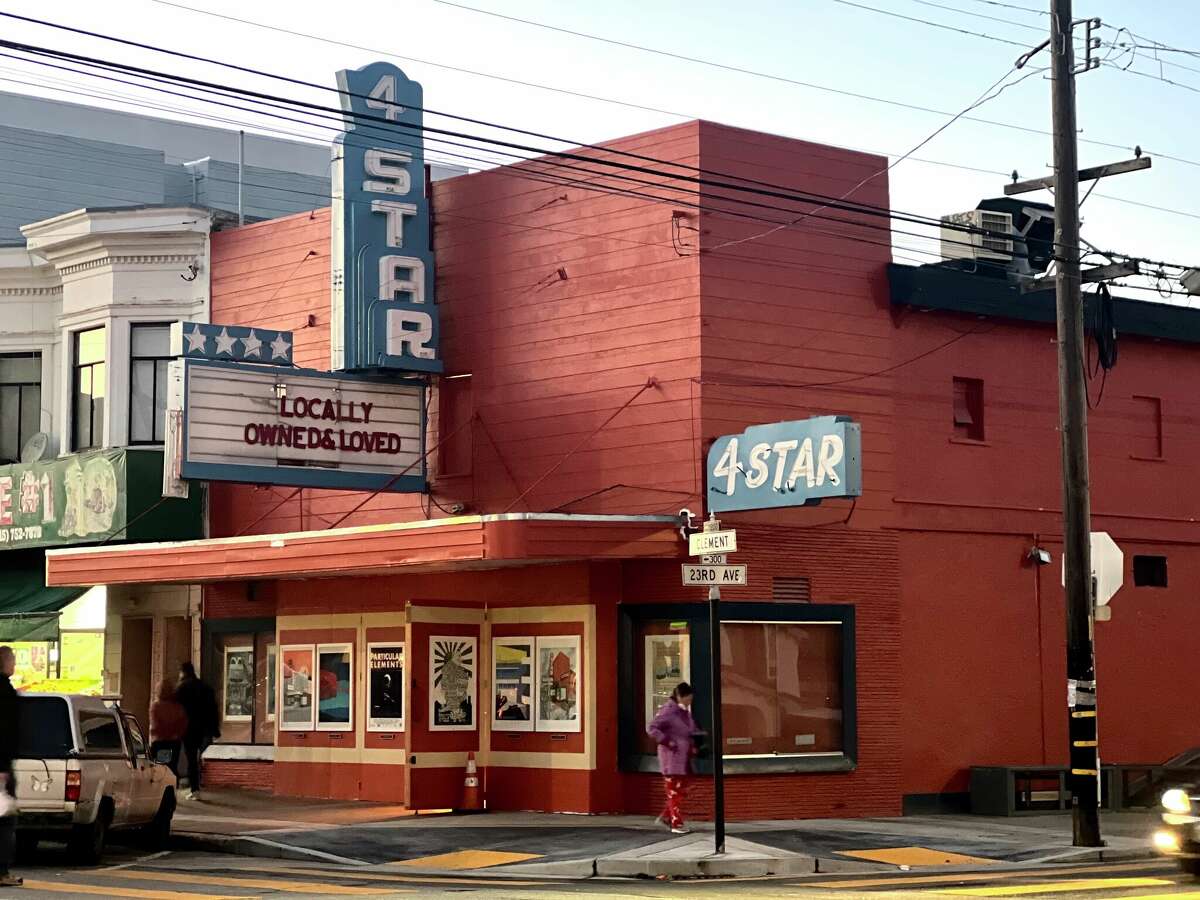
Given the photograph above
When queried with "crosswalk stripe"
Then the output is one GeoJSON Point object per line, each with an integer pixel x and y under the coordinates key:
{"type": "Point", "coordinates": [65, 887]}
{"type": "Point", "coordinates": [467, 859]}
{"type": "Point", "coordinates": [266, 884]}
{"type": "Point", "coordinates": [880, 881]}
{"type": "Point", "coordinates": [1055, 887]}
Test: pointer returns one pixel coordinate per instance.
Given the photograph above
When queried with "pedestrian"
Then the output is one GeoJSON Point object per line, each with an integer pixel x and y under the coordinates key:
{"type": "Point", "coordinates": [9, 741]}
{"type": "Point", "coordinates": [675, 731]}
{"type": "Point", "coordinates": [199, 703]}
{"type": "Point", "coordinates": [168, 726]}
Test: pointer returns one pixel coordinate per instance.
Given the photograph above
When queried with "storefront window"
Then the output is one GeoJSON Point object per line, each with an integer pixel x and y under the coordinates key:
{"type": "Point", "coordinates": [240, 663]}
{"type": "Point", "coordinates": [781, 688]}
{"type": "Point", "coordinates": [664, 651]}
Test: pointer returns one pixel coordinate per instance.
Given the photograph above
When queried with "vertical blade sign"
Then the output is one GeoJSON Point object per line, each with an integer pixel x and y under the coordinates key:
{"type": "Point", "coordinates": [384, 315]}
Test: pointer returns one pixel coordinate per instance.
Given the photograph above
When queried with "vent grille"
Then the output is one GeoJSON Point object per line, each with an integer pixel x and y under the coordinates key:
{"type": "Point", "coordinates": [793, 590]}
{"type": "Point", "coordinates": [991, 222]}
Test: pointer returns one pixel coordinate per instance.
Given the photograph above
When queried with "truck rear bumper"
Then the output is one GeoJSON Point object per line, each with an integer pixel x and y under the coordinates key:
{"type": "Point", "coordinates": [45, 821]}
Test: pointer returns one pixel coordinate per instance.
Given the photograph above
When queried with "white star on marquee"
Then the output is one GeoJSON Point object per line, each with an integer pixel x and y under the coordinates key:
{"type": "Point", "coordinates": [252, 344]}
{"type": "Point", "coordinates": [280, 347]}
{"type": "Point", "coordinates": [196, 340]}
{"type": "Point", "coordinates": [225, 342]}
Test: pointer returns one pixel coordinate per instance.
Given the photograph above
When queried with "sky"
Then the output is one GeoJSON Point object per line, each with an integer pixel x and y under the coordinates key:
{"type": "Point", "coordinates": [831, 45]}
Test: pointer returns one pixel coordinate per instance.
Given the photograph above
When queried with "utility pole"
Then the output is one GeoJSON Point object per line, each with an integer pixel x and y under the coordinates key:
{"type": "Point", "coordinates": [1072, 411]}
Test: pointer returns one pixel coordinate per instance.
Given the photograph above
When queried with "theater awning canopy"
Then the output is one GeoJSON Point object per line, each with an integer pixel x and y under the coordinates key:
{"type": "Point", "coordinates": [464, 542]}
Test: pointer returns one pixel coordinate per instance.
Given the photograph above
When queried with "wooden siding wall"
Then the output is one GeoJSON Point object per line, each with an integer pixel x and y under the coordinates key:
{"type": "Point", "coordinates": [794, 317]}
{"type": "Point", "coordinates": [983, 649]}
{"type": "Point", "coordinates": [560, 300]}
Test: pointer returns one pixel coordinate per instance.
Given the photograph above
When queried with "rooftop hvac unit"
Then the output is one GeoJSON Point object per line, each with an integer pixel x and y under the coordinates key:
{"type": "Point", "coordinates": [978, 234]}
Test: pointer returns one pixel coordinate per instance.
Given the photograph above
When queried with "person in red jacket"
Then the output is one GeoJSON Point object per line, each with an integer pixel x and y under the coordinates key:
{"type": "Point", "coordinates": [675, 731]}
{"type": "Point", "coordinates": [168, 725]}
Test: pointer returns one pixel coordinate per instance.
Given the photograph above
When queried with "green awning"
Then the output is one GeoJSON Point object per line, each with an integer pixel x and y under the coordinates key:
{"type": "Point", "coordinates": [28, 609]}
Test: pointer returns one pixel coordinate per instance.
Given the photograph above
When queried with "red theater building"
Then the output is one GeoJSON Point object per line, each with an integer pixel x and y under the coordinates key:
{"type": "Point", "coordinates": [526, 604]}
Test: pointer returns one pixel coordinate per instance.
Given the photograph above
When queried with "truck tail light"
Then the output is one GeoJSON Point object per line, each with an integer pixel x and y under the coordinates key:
{"type": "Point", "coordinates": [74, 783]}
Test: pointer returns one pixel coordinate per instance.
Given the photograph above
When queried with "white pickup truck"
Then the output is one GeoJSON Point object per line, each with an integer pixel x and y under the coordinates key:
{"type": "Point", "coordinates": [82, 769]}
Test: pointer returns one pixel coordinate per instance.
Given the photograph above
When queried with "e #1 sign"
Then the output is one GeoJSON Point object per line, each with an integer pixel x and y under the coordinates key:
{"type": "Point", "coordinates": [797, 463]}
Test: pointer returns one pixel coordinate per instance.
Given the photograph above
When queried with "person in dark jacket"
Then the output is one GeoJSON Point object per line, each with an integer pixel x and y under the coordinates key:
{"type": "Point", "coordinates": [675, 731]}
{"type": "Point", "coordinates": [200, 703]}
{"type": "Point", "coordinates": [9, 741]}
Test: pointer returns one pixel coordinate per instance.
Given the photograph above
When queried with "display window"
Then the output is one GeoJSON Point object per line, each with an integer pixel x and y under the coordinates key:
{"type": "Point", "coordinates": [335, 687]}
{"type": "Point", "coordinates": [385, 686]}
{"type": "Point", "coordinates": [781, 688]}
{"type": "Point", "coordinates": [559, 684]}
{"type": "Point", "coordinates": [452, 683]}
{"type": "Point", "coordinates": [297, 709]}
{"type": "Point", "coordinates": [512, 683]}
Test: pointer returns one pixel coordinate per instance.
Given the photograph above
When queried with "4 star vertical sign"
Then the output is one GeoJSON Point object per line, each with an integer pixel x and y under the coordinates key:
{"type": "Point", "coordinates": [383, 311]}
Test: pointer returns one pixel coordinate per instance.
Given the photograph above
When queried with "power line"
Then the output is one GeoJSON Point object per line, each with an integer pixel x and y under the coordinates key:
{"type": "Point", "coordinates": [312, 109]}
{"type": "Point", "coordinates": [262, 98]}
{"type": "Point", "coordinates": [977, 15]}
{"type": "Point", "coordinates": [680, 115]}
{"type": "Point", "coordinates": [983, 98]}
{"type": "Point", "coordinates": [896, 15]}
{"type": "Point", "coordinates": [315, 109]}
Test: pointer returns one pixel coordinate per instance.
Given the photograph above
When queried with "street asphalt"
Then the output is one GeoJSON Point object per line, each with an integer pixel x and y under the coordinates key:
{"type": "Point", "coordinates": [175, 875]}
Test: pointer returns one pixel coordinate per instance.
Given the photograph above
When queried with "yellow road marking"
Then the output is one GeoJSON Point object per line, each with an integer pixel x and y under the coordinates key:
{"type": "Point", "coordinates": [1056, 887]}
{"type": "Point", "coordinates": [978, 876]}
{"type": "Point", "coordinates": [467, 859]}
{"type": "Point", "coordinates": [64, 887]}
{"type": "Point", "coordinates": [1182, 895]}
{"type": "Point", "coordinates": [917, 856]}
{"type": "Point", "coordinates": [373, 875]}
{"type": "Point", "coordinates": [266, 884]}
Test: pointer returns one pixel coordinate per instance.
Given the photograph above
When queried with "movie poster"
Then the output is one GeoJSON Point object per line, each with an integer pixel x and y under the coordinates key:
{"type": "Point", "coordinates": [558, 683]}
{"type": "Point", "coordinates": [667, 664]}
{"type": "Point", "coordinates": [296, 687]}
{"type": "Point", "coordinates": [238, 686]}
{"type": "Point", "coordinates": [385, 678]}
{"type": "Point", "coordinates": [512, 681]}
{"type": "Point", "coordinates": [452, 683]}
{"type": "Point", "coordinates": [335, 687]}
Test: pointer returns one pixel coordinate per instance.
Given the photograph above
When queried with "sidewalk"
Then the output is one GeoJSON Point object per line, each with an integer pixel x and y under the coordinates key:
{"type": "Point", "coordinates": [535, 844]}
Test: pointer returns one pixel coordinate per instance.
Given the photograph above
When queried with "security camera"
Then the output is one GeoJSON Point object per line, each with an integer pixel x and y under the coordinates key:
{"type": "Point", "coordinates": [685, 523]}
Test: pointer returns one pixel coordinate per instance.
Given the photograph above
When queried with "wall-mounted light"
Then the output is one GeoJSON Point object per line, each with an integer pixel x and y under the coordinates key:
{"type": "Point", "coordinates": [1039, 556]}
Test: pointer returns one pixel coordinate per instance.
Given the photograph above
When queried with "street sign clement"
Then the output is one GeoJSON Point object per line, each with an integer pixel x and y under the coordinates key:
{"type": "Point", "coordinates": [705, 542]}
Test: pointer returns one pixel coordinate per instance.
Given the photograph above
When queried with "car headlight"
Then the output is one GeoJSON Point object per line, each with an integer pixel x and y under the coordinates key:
{"type": "Point", "coordinates": [1177, 801]}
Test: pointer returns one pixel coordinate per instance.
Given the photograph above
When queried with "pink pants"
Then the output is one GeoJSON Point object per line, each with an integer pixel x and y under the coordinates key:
{"type": "Point", "coordinates": [676, 788]}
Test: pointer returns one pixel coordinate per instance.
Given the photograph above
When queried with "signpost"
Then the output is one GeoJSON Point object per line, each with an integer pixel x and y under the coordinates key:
{"type": "Point", "coordinates": [703, 544]}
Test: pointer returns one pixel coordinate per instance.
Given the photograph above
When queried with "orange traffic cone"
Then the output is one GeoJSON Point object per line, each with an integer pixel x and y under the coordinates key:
{"type": "Point", "coordinates": [472, 798]}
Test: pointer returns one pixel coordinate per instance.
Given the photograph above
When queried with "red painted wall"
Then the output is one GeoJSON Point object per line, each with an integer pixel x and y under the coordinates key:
{"type": "Point", "coordinates": [984, 630]}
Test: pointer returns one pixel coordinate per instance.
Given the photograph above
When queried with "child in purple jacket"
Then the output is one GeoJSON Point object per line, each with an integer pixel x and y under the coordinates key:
{"type": "Point", "coordinates": [674, 730]}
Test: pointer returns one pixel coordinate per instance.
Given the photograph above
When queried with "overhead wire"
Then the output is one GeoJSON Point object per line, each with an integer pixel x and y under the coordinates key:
{"type": "Point", "coordinates": [700, 61]}
{"type": "Point", "coordinates": [262, 98]}
{"type": "Point", "coordinates": [258, 97]}
{"type": "Point", "coordinates": [330, 113]}
{"type": "Point", "coordinates": [221, 90]}
{"type": "Point", "coordinates": [680, 115]}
